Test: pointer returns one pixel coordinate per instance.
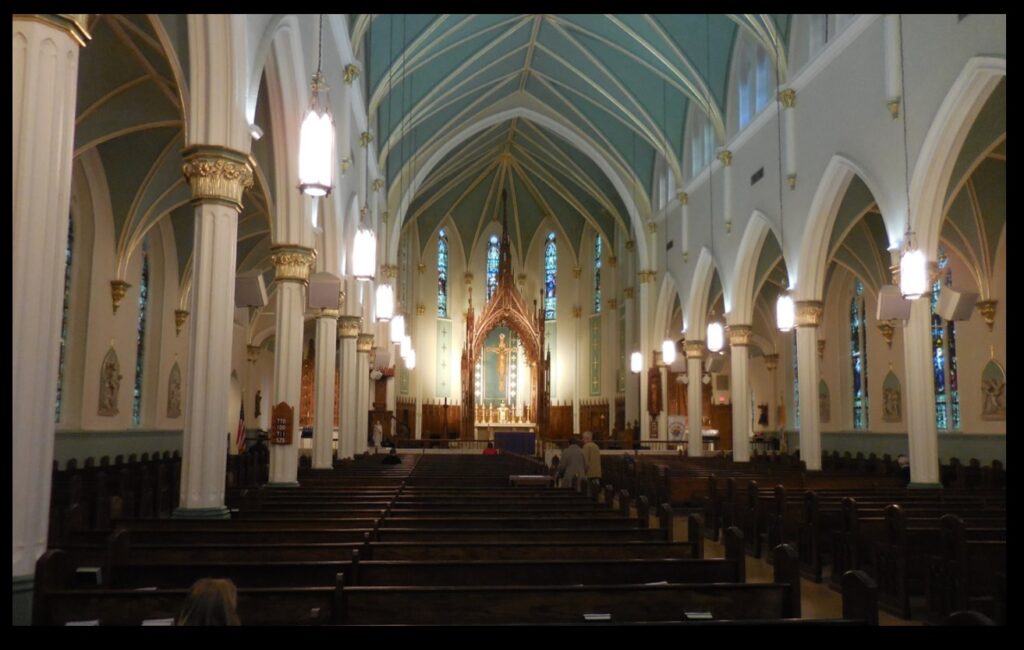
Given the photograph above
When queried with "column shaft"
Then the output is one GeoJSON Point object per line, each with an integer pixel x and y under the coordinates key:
{"type": "Point", "coordinates": [45, 74]}
{"type": "Point", "coordinates": [740, 404]}
{"type": "Point", "coordinates": [347, 419]}
{"type": "Point", "coordinates": [694, 406]}
{"type": "Point", "coordinates": [923, 437]}
{"type": "Point", "coordinates": [663, 416]}
{"type": "Point", "coordinates": [323, 424]}
{"type": "Point", "coordinates": [362, 400]}
{"type": "Point", "coordinates": [211, 325]}
{"type": "Point", "coordinates": [807, 369]}
{"type": "Point", "coordinates": [284, 459]}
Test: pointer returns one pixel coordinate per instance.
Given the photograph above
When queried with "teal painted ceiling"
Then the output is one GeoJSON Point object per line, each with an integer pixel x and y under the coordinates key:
{"type": "Point", "coordinates": [624, 81]}
{"type": "Point", "coordinates": [543, 174]}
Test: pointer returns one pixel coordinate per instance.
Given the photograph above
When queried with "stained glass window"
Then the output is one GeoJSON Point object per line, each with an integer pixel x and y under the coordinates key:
{"type": "Point", "coordinates": [141, 338]}
{"type": "Point", "coordinates": [492, 266]}
{"type": "Point", "coordinates": [442, 274]}
{"type": "Point", "coordinates": [550, 267]}
{"type": "Point", "coordinates": [858, 357]}
{"type": "Point", "coordinates": [597, 275]}
{"type": "Point", "coordinates": [947, 399]}
{"type": "Point", "coordinates": [64, 314]}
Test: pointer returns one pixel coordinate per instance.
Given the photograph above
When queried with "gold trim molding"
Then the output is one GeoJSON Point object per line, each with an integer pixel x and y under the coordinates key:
{"type": "Point", "coordinates": [576, 271]}
{"type": "Point", "coordinates": [683, 197]}
{"type": "Point", "coordinates": [659, 359]}
{"type": "Point", "coordinates": [364, 342]}
{"type": "Point", "coordinates": [613, 261]}
{"type": "Point", "coordinates": [351, 73]}
{"type": "Point", "coordinates": [421, 267]}
{"type": "Point", "coordinates": [652, 227]}
{"type": "Point", "coordinates": [328, 313]}
{"type": "Point", "coordinates": [349, 326]}
{"type": "Point", "coordinates": [630, 245]}
{"type": "Point", "coordinates": [217, 173]}
{"type": "Point", "coordinates": [292, 262]}
{"type": "Point", "coordinates": [613, 303]}
{"type": "Point", "coordinates": [252, 353]}
{"type": "Point", "coordinates": [725, 156]}
{"type": "Point", "coordinates": [577, 311]}
{"type": "Point", "coordinates": [420, 309]}
{"type": "Point", "coordinates": [821, 348]}
{"type": "Point", "coordinates": [791, 179]}
{"type": "Point", "coordinates": [987, 309]}
{"type": "Point", "coordinates": [378, 183]}
{"type": "Point", "coordinates": [647, 276]}
{"type": "Point", "coordinates": [894, 107]}
{"type": "Point", "coordinates": [739, 334]}
{"type": "Point", "coordinates": [468, 277]}
{"type": "Point", "coordinates": [627, 293]}
{"type": "Point", "coordinates": [808, 313]}
{"type": "Point", "coordinates": [180, 316]}
{"type": "Point", "coordinates": [365, 138]}
{"type": "Point", "coordinates": [389, 271]}
{"type": "Point", "coordinates": [887, 330]}
{"type": "Point", "coordinates": [771, 362]}
{"type": "Point", "coordinates": [72, 24]}
{"type": "Point", "coordinates": [787, 97]}
{"type": "Point", "coordinates": [118, 288]}
{"type": "Point", "coordinates": [694, 349]}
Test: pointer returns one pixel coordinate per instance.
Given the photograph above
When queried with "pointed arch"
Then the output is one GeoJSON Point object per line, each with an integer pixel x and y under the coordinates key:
{"type": "Point", "coordinates": [807, 274]}
{"type": "Point", "coordinates": [667, 296]}
{"type": "Point", "coordinates": [741, 287]}
{"type": "Point", "coordinates": [697, 298]}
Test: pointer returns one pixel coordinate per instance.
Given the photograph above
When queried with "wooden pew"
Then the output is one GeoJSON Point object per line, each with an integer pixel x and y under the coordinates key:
{"type": "Point", "coordinates": [965, 576]}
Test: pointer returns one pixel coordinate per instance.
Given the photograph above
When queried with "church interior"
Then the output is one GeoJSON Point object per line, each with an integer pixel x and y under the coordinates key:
{"type": "Point", "coordinates": [758, 259]}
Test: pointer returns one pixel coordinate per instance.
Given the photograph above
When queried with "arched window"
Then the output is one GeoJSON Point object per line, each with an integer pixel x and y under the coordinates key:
{"type": "Point", "coordinates": [597, 275]}
{"type": "Point", "coordinates": [701, 140]}
{"type": "Point", "coordinates": [858, 357]}
{"type": "Point", "coordinates": [140, 349]}
{"type": "Point", "coordinates": [64, 314]}
{"type": "Point", "coordinates": [550, 268]}
{"type": "Point", "coordinates": [811, 33]}
{"type": "Point", "coordinates": [756, 81]}
{"type": "Point", "coordinates": [492, 266]}
{"type": "Point", "coordinates": [947, 400]}
{"type": "Point", "coordinates": [442, 274]}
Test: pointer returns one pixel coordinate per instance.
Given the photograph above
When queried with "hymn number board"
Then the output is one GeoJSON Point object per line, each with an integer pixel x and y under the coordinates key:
{"type": "Point", "coordinates": [281, 428]}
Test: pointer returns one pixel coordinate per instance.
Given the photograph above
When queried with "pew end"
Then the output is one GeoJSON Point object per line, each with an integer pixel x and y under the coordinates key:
{"type": "Point", "coordinates": [860, 597]}
{"type": "Point", "coordinates": [695, 534]}
{"type": "Point", "coordinates": [786, 564]}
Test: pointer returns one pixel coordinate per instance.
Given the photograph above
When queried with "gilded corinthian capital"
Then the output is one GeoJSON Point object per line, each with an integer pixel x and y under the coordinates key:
{"type": "Point", "coordinates": [291, 262]}
{"type": "Point", "coordinates": [217, 173]}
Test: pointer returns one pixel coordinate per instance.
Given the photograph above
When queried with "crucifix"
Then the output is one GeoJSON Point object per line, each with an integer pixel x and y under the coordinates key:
{"type": "Point", "coordinates": [501, 350]}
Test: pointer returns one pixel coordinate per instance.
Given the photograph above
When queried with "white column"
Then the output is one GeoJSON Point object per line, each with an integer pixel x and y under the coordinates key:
{"type": "Point", "coordinates": [643, 319]}
{"type": "Point", "coordinates": [893, 65]}
{"type": "Point", "coordinates": [694, 398]}
{"type": "Point", "coordinates": [217, 198]}
{"type": "Point", "coordinates": [663, 416]}
{"type": "Point", "coordinates": [45, 74]}
{"type": "Point", "coordinates": [739, 339]}
{"type": "Point", "coordinates": [363, 344]}
{"type": "Point", "coordinates": [684, 221]}
{"type": "Point", "coordinates": [323, 422]}
{"type": "Point", "coordinates": [576, 369]}
{"type": "Point", "coordinates": [348, 330]}
{"type": "Point", "coordinates": [808, 317]}
{"type": "Point", "coordinates": [787, 97]}
{"type": "Point", "coordinates": [726, 157]}
{"type": "Point", "coordinates": [292, 265]}
{"type": "Point", "coordinates": [632, 380]}
{"type": "Point", "coordinates": [923, 436]}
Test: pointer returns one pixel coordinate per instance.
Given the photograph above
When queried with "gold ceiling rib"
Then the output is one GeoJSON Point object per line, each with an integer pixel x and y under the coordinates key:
{"type": "Point", "coordinates": [92, 108]}
{"type": "Point", "coordinates": [147, 66]}
{"type": "Point", "coordinates": [140, 33]}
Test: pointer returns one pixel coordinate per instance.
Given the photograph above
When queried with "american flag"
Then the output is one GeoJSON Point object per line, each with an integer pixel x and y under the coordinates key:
{"type": "Point", "coordinates": [240, 436]}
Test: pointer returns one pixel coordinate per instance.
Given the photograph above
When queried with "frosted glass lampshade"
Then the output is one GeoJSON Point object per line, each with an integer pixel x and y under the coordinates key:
{"type": "Point", "coordinates": [785, 312]}
{"type": "Point", "coordinates": [410, 360]}
{"type": "Point", "coordinates": [668, 351]}
{"type": "Point", "coordinates": [385, 302]}
{"type": "Point", "coordinates": [716, 336]}
{"type": "Point", "coordinates": [316, 144]}
{"type": "Point", "coordinates": [636, 362]}
{"type": "Point", "coordinates": [913, 274]}
{"type": "Point", "coordinates": [364, 254]}
{"type": "Point", "coordinates": [397, 329]}
{"type": "Point", "coordinates": [405, 346]}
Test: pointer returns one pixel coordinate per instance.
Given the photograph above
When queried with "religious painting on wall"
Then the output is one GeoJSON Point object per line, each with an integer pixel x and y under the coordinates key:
{"type": "Point", "coordinates": [499, 366]}
{"type": "Point", "coordinates": [993, 392]}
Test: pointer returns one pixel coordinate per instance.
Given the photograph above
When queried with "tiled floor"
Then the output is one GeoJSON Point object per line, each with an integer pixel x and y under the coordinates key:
{"type": "Point", "coordinates": [816, 600]}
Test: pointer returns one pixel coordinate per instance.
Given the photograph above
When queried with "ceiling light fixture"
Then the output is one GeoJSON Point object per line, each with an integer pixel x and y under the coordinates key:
{"type": "Point", "coordinates": [316, 138]}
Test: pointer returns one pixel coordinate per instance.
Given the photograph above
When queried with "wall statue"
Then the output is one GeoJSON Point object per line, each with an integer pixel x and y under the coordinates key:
{"type": "Point", "coordinates": [110, 383]}
{"type": "Point", "coordinates": [993, 392]}
{"type": "Point", "coordinates": [892, 399]}
{"type": "Point", "coordinates": [174, 393]}
{"type": "Point", "coordinates": [824, 404]}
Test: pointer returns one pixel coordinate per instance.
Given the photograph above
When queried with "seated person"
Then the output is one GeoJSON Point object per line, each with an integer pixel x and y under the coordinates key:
{"type": "Point", "coordinates": [490, 450]}
{"type": "Point", "coordinates": [392, 458]}
{"type": "Point", "coordinates": [211, 601]}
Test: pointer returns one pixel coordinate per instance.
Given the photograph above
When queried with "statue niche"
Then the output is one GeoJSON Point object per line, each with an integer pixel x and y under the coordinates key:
{"type": "Point", "coordinates": [110, 384]}
{"type": "Point", "coordinates": [993, 392]}
{"type": "Point", "coordinates": [174, 393]}
{"type": "Point", "coordinates": [892, 399]}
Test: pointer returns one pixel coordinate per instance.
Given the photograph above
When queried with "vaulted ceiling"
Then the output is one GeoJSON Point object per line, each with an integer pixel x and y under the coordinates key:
{"type": "Point", "coordinates": [624, 82]}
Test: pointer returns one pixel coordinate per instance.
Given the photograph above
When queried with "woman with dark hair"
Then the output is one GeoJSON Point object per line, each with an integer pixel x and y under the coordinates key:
{"type": "Point", "coordinates": [211, 601]}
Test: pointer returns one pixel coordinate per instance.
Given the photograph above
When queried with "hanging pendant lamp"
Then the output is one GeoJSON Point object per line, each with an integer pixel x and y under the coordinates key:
{"type": "Point", "coordinates": [316, 138]}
